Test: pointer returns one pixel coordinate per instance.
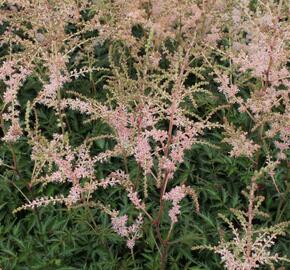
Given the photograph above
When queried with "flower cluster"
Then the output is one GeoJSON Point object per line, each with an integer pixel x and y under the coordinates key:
{"type": "Point", "coordinates": [131, 233]}
{"type": "Point", "coordinates": [13, 77]}
{"type": "Point", "coordinates": [250, 248]}
{"type": "Point", "coordinates": [175, 195]}
{"type": "Point", "coordinates": [242, 146]}
{"type": "Point", "coordinates": [56, 161]}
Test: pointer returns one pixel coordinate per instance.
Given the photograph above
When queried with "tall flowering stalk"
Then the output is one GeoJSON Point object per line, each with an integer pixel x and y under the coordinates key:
{"type": "Point", "coordinates": [250, 246]}
{"type": "Point", "coordinates": [13, 79]}
{"type": "Point", "coordinates": [257, 51]}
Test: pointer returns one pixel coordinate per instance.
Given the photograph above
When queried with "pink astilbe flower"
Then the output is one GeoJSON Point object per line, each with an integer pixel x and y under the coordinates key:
{"type": "Point", "coordinates": [53, 177]}
{"type": "Point", "coordinates": [175, 196]}
{"type": "Point", "coordinates": [133, 196]}
{"type": "Point", "coordinates": [119, 119]}
{"type": "Point", "coordinates": [132, 233]}
{"type": "Point", "coordinates": [261, 103]}
{"type": "Point", "coordinates": [264, 50]}
{"type": "Point", "coordinates": [119, 224]}
{"type": "Point", "coordinates": [160, 136]}
{"type": "Point", "coordinates": [84, 166]}
{"type": "Point", "coordinates": [13, 77]}
{"type": "Point", "coordinates": [114, 178]}
{"type": "Point", "coordinates": [281, 127]}
{"type": "Point", "coordinates": [57, 78]}
{"type": "Point", "coordinates": [165, 15]}
{"type": "Point", "coordinates": [234, 253]}
{"type": "Point", "coordinates": [263, 55]}
{"type": "Point", "coordinates": [183, 140]}
{"type": "Point", "coordinates": [228, 89]}
{"type": "Point", "coordinates": [122, 179]}
{"type": "Point", "coordinates": [165, 19]}
{"type": "Point", "coordinates": [170, 152]}
{"type": "Point", "coordinates": [241, 145]}
{"type": "Point", "coordinates": [143, 154]}
{"type": "Point", "coordinates": [14, 132]}
{"type": "Point", "coordinates": [214, 35]}
{"type": "Point", "coordinates": [250, 247]}
{"type": "Point", "coordinates": [146, 117]}
{"type": "Point", "coordinates": [74, 195]}
{"type": "Point", "coordinates": [70, 165]}
{"type": "Point", "coordinates": [168, 166]}
{"type": "Point", "coordinates": [78, 105]}
{"type": "Point", "coordinates": [174, 212]}
{"type": "Point", "coordinates": [135, 231]}
{"type": "Point", "coordinates": [43, 201]}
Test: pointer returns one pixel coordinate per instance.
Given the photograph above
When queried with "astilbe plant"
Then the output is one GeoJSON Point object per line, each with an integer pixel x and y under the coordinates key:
{"type": "Point", "coordinates": [257, 56]}
{"type": "Point", "coordinates": [250, 246]}
{"type": "Point", "coordinates": [38, 40]}
{"type": "Point", "coordinates": [151, 106]}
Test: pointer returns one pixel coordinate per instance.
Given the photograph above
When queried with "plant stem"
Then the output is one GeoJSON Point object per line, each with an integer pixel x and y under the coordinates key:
{"type": "Point", "coordinates": [164, 255]}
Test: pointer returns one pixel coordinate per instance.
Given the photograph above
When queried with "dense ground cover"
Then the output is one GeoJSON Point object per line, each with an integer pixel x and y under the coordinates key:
{"type": "Point", "coordinates": [144, 134]}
